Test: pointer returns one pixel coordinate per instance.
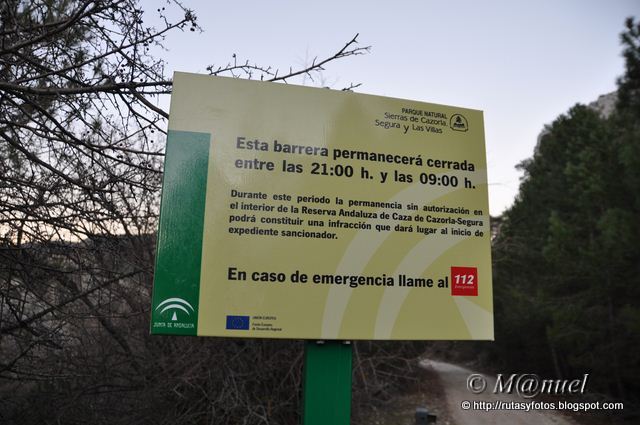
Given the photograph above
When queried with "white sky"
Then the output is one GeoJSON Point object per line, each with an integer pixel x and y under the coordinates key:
{"type": "Point", "coordinates": [523, 64]}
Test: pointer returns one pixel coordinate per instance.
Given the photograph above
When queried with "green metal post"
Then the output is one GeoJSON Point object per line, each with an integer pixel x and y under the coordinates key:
{"type": "Point", "coordinates": [327, 383]}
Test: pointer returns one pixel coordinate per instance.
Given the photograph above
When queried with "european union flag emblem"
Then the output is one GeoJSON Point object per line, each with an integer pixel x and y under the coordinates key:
{"type": "Point", "coordinates": [238, 323]}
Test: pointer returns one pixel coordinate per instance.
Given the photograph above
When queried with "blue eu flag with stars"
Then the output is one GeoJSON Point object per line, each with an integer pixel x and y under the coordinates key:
{"type": "Point", "coordinates": [238, 323]}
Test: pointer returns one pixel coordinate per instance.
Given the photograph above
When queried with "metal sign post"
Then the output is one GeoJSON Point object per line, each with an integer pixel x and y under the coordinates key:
{"type": "Point", "coordinates": [327, 383]}
{"type": "Point", "coordinates": [301, 209]}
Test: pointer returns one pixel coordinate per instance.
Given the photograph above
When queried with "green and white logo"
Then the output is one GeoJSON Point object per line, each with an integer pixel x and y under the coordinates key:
{"type": "Point", "coordinates": [175, 304]}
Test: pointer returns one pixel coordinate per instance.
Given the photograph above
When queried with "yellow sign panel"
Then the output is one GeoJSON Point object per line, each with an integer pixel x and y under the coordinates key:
{"type": "Point", "coordinates": [329, 215]}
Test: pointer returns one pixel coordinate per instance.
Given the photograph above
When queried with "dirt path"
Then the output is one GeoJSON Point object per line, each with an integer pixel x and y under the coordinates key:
{"type": "Point", "coordinates": [454, 380]}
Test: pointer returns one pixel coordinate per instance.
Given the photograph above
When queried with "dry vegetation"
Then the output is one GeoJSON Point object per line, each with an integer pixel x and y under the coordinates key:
{"type": "Point", "coordinates": [81, 148]}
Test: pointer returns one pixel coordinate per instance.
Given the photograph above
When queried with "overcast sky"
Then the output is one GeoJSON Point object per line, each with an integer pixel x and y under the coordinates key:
{"type": "Point", "coordinates": [522, 63]}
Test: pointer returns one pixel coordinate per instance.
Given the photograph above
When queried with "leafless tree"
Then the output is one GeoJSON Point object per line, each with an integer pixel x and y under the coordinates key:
{"type": "Point", "coordinates": [81, 149]}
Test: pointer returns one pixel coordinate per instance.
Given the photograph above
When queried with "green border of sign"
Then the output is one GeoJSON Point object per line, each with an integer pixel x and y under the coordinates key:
{"type": "Point", "coordinates": [179, 244]}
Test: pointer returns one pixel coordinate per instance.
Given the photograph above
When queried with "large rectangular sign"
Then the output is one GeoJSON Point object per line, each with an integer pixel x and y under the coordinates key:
{"type": "Point", "coordinates": [297, 212]}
